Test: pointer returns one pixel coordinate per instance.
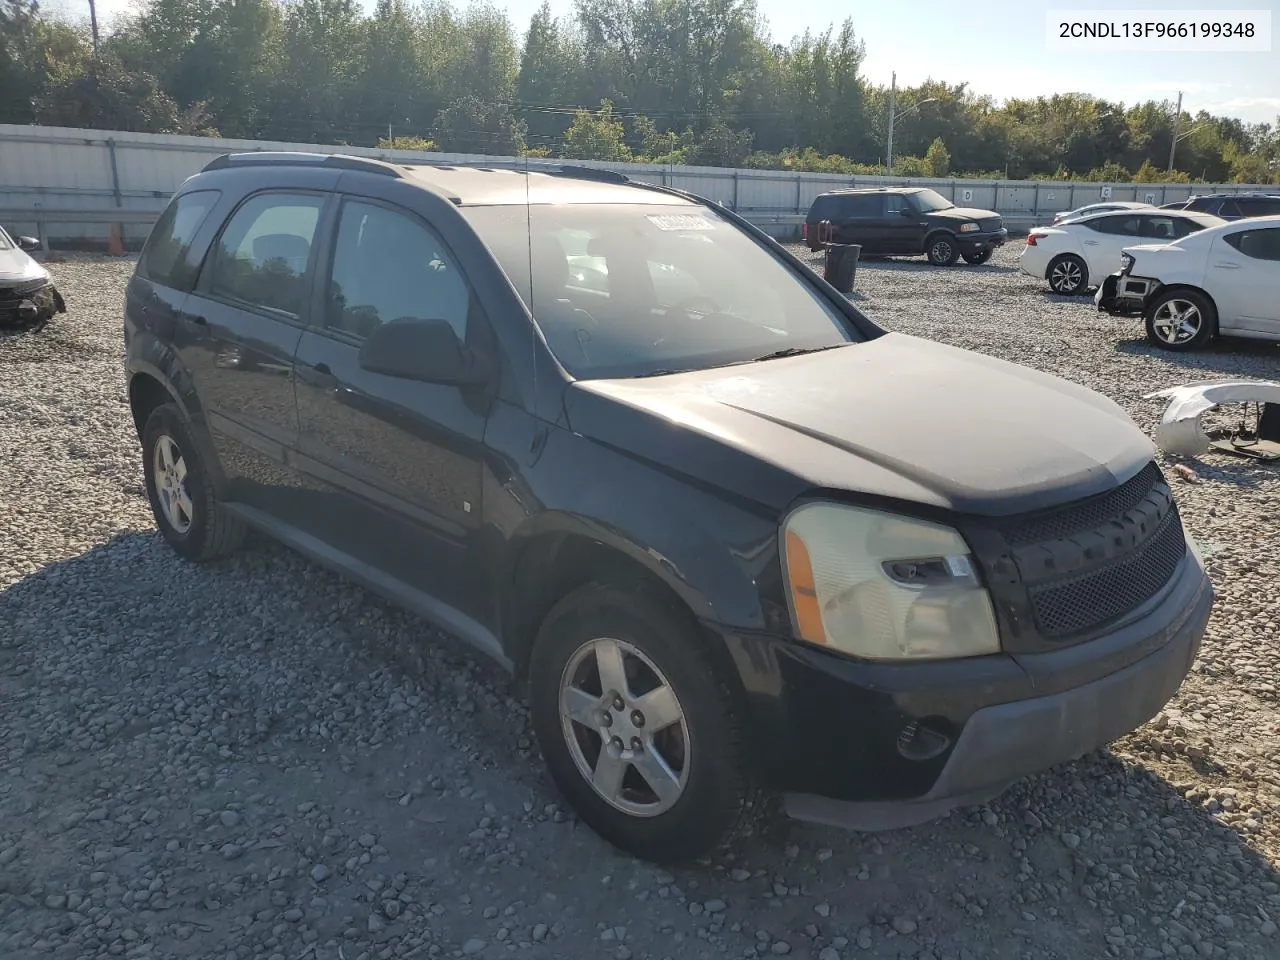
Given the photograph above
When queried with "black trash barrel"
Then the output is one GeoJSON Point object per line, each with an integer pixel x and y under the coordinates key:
{"type": "Point", "coordinates": [842, 265]}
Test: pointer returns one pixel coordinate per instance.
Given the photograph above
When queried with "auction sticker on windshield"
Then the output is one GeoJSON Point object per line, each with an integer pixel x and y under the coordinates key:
{"type": "Point", "coordinates": [681, 222]}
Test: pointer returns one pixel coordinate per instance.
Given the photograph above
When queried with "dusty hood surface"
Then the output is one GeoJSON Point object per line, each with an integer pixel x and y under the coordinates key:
{"type": "Point", "coordinates": [966, 213]}
{"type": "Point", "coordinates": [17, 267]}
{"type": "Point", "coordinates": [897, 416]}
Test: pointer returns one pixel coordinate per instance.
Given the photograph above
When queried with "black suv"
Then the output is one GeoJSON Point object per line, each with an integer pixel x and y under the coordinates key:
{"type": "Point", "coordinates": [1231, 206]}
{"type": "Point", "coordinates": [627, 445]}
{"type": "Point", "coordinates": [904, 221]}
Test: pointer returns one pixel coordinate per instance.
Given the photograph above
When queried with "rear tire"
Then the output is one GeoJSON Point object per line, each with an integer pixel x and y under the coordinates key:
{"type": "Point", "coordinates": [942, 250]}
{"type": "Point", "coordinates": [180, 488]}
{"type": "Point", "coordinates": [1181, 320]}
{"type": "Point", "coordinates": [1068, 275]}
{"type": "Point", "coordinates": [681, 785]}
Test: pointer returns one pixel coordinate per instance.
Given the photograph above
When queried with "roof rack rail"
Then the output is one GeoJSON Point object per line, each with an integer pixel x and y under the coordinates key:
{"type": "Point", "coordinates": [552, 168]}
{"type": "Point", "coordinates": [269, 158]}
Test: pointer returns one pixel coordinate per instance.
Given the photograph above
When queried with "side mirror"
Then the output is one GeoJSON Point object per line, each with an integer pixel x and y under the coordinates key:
{"type": "Point", "coordinates": [426, 350]}
{"type": "Point", "coordinates": [907, 212]}
{"type": "Point", "coordinates": [27, 243]}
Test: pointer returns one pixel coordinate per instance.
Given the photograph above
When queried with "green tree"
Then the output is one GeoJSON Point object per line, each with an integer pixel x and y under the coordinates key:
{"type": "Point", "coordinates": [596, 136]}
{"type": "Point", "coordinates": [937, 159]}
{"type": "Point", "coordinates": [472, 125]}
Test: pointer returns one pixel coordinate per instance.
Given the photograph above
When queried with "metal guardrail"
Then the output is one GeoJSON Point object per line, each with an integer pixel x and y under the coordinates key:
{"type": "Point", "coordinates": [42, 216]}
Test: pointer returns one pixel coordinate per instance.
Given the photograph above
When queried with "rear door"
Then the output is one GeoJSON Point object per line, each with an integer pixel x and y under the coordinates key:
{"type": "Point", "coordinates": [1105, 239]}
{"type": "Point", "coordinates": [1244, 279]}
{"type": "Point", "coordinates": [238, 332]}
{"type": "Point", "coordinates": [862, 221]}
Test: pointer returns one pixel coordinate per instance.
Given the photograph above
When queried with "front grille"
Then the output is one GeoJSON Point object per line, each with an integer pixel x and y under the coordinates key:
{"type": "Point", "coordinates": [991, 224]}
{"type": "Point", "coordinates": [1063, 574]}
{"type": "Point", "coordinates": [1086, 515]}
{"type": "Point", "coordinates": [1097, 597]}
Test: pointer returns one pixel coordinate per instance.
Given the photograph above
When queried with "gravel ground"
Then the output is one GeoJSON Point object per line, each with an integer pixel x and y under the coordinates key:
{"type": "Point", "coordinates": [255, 759]}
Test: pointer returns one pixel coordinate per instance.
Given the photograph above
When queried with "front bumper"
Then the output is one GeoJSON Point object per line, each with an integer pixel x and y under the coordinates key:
{"type": "Point", "coordinates": [29, 303]}
{"type": "Point", "coordinates": [974, 242]}
{"type": "Point", "coordinates": [1122, 295]}
{"type": "Point", "coordinates": [882, 746]}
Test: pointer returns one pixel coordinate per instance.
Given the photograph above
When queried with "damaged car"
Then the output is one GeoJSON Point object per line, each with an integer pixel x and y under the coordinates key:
{"type": "Point", "coordinates": [27, 293]}
{"type": "Point", "coordinates": [733, 537]}
{"type": "Point", "coordinates": [1218, 282]}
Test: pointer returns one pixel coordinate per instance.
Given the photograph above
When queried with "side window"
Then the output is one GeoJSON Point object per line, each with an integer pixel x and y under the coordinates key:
{"type": "Point", "coordinates": [164, 260]}
{"type": "Point", "coordinates": [261, 256]}
{"type": "Point", "coordinates": [1258, 244]}
{"type": "Point", "coordinates": [897, 204]}
{"type": "Point", "coordinates": [1259, 207]}
{"type": "Point", "coordinates": [1230, 208]}
{"type": "Point", "coordinates": [863, 206]}
{"type": "Point", "coordinates": [824, 207]}
{"type": "Point", "coordinates": [1121, 224]}
{"type": "Point", "coordinates": [1165, 228]}
{"type": "Point", "coordinates": [1185, 226]}
{"type": "Point", "coordinates": [390, 266]}
{"type": "Point", "coordinates": [1201, 205]}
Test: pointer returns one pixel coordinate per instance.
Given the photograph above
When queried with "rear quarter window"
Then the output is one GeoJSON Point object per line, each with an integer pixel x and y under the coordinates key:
{"type": "Point", "coordinates": [1260, 206]}
{"type": "Point", "coordinates": [164, 259]}
{"type": "Point", "coordinates": [823, 208]}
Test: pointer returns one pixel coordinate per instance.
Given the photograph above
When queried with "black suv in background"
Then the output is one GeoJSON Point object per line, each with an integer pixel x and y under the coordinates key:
{"type": "Point", "coordinates": [904, 221]}
{"type": "Point", "coordinates": [627, 445]}
{"type": "Point", "coordinates": [1231, 206]}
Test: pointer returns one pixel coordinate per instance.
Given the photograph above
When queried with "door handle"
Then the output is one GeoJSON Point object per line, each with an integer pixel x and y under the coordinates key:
{"type": "Point", "coordinates": [1091, 243]}
{"type": "Point", "coordinates": [1227, 266]}
{"type": "Point", "coordinates": [199, 321]}
{"type": "Point", "coordinates": [319, 375]}
{"type": "Point", "coordinates": [322, 369]}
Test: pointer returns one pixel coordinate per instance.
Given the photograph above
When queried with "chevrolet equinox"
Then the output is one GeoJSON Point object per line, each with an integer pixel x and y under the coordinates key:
{"type": "Point", "coordinates": [738, 540]}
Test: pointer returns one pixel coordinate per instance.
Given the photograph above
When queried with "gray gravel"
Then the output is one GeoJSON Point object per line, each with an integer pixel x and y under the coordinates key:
{"type": "Point", "coordinates": [255, 759]}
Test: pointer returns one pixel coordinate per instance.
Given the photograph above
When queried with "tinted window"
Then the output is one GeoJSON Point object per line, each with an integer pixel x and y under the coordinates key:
{"type": "Point", "coordinates": [1259, 244]}
{"type": "Point", "coordinates": [897, 203]}
{"type": "Point", "coordinates": [1230, 208]}
{"type": "Point", "coordinates": [1202, 205]}
{"type": "Point", "coordinates": [164, 259]}
{"type": "Point", "coordinates": [262, 255]}
{"type": "Point", "coordinates": [823, 208]}
{"type": "Point", "coordinates": [1167, 228]}
{"type": "Point", "coordinates": [862, 206]}
{"type": "Point", "coordinates": [1129, 225]}
{"type": "Point", "coordinates": [389, 266]}
{"type": "Point", "coordinates": [1259, 206]}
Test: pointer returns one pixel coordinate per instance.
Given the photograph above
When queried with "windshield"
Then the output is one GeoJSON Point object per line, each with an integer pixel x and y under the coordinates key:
{"type": "Point", "coordinates": [634, 289]}
{"type": "Point", "coordinates": [930, 200]}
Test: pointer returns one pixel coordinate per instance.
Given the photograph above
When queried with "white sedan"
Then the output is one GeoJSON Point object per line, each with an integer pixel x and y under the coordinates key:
{"type": "Point", "coordinates": [1075, 256]}
{"type": "Point", "coordinates": [1223, 281]}
{"type": "Point", "coordinates": [27, 294]}
{"type": "Point", "coordinates": [1108, 206]}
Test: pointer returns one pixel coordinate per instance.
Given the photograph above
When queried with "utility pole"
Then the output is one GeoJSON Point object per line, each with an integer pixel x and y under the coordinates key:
{"type": "Point", "coordinates": [1177, 119]}
{"type": "Point", "coordinates": [893, 97]}
{"type": "Point", "coordinates": [93, 26]}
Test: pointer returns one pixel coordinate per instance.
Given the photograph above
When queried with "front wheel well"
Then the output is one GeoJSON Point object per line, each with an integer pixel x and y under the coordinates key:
{"type": "Point", "coordinates": [937, 232]}
{"type": "Point", "coordinates": [1182, 288]}
{"type": "Point", "coordinates": [552, 565]}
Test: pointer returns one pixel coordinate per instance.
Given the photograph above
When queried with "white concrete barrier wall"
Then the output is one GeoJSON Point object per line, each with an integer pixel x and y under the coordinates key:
{"type": "Point", "coordinates": [66, 169]}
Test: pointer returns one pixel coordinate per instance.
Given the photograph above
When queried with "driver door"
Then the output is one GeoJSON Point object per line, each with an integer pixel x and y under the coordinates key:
{"type": "Point", "coordinates": [393, 465]}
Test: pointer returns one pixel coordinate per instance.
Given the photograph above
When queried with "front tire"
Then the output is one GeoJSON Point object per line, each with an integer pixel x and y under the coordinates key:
{"type": "Point", "coordinates": [183, 499]}
{"type": "Point", "coordinates": [1068, 275]}
{"type": "Point", "coordinates": [978, 257]}
{"type": "Point", "coordinates": [1181, 320]}
{"type": "Point", "coordinates": [943, 250]}
{"type": "Point", "coordinates": [638, 731]}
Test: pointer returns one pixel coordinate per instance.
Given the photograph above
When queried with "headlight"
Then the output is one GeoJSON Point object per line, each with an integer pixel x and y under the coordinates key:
{"type": "Point", "coordinates": [1126, 263]}
{"type": "Point", "coordinates": [884, 587]}
{"type": "Point", "coordinates": [968, 227]}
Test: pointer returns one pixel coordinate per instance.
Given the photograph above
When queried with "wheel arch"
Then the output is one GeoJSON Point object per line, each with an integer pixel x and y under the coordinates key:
{"type": "Point", "coordinates": [1182, 287]}
{"type": "Point", "coordinates": [556, 555]}
{"type": "Point", "coordinates": [148, 389]}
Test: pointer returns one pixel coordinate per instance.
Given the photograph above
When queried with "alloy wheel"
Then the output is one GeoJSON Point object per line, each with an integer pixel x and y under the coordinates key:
{"type": "Point", "coordinates": [1066, 277]}
{"type": "Point", "coordinates": [624, 727]}
{"type": "Point", "coordinates": [1176, 321]}
{"type": "Point", "coordinates": [170, 473]}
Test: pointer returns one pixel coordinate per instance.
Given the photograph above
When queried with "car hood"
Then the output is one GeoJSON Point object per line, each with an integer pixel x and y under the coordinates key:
{"type": "Point", "coordinates": [897, 417]}
{"type": "Point", "coordinates": [964, 213]}
{"type": "Point", "coordinates": [17, 267]}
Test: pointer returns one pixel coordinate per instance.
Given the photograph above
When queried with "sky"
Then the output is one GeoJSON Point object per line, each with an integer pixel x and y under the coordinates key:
{"type": "Point", "coordinates": [999, 50]}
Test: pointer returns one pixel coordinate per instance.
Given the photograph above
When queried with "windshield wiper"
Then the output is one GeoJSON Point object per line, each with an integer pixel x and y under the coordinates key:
{"type": "Point", "coordinates": [794, 352]}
